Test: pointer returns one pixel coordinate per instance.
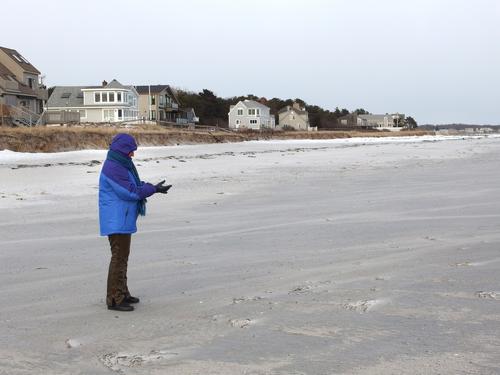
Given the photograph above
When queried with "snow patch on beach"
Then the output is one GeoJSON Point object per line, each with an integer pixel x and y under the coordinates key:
{"type": "Point", "coordinates": [10, 157]}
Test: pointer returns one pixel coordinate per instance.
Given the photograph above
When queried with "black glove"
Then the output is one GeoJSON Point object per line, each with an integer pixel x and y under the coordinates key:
{"type": "Point", "coordinates": [160, 188]}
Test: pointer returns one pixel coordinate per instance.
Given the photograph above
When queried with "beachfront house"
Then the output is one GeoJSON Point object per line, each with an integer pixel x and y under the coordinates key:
{"type": "Point", "coordinates": [158, 103]}
{"type": "Point", "coordinates": [392, 122]}
{"type": "Point", "coordinates": [294, 117]}
{"type": "Point", "coordinates": [22, 93]}
{"type": "Point", "coordinates": [188, 117]}
{"type": "Point", "coordinates": [110, 102]}
{"type": "Point", "coordinates": [249, 114]}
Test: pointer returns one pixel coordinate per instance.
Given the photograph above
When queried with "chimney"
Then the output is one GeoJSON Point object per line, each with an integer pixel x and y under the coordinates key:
{"type": "Point", "coordinates": [296, 106]}
{"type": "Point", "coordinates": [104, 83]}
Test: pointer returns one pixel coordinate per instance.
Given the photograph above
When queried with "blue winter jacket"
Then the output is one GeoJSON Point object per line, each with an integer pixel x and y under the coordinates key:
{"type": "Point", "coordinates": [118, 193]}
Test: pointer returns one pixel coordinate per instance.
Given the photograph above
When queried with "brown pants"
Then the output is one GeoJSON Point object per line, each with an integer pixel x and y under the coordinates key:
{"type": "Point", "coordinates": [117, 274]}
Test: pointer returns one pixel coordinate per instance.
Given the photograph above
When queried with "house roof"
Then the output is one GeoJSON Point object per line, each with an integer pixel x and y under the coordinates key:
{"type": "Point", "coordinates": [5, 73]}
{"type": "Point", "coordinates": [155, 89]}
{"type": "Point", "coordinates": [253, 104]}
{"type": "Point", "coordinates": [114, 84]}
{"type": "Point", "coordinates": [22, 89]}
{"type": "Point", "coordinates": [379, 117]}
{"type": "Point", "coordinates": [66, 96]}
{"type": "Point", "coordinates": [290, 108]}
{"type": "Point", "coordinates": [72, 96]}
{"type": "Point", "coordinates": [174, 94]}
{"type": "Point", "coordinates": [20, 60]}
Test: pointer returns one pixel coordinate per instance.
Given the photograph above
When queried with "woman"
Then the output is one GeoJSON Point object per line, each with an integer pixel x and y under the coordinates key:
{"type": "Point", "coordinates": [122, 198]}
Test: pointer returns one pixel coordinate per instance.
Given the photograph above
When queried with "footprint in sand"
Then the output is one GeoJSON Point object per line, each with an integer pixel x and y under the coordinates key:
{"type": "Point", "coordinates": [240, 323]}
{"type": "Point", "coordinates": [309, 287]}
{"type": "Point", "coordinates": [117, 361]}
{"type": "Point", "coordinates": [362, 306]}
{"type": "Point", "coordinates": [246, 299]}
{"type": "Point", "coordinates": [488, 295]}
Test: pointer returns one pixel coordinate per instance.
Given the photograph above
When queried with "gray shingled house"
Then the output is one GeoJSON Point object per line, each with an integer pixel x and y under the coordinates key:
{"type": "Point", "coordinates": [110, 102]}
{"type": "Point", "coordinates": [294, 117]}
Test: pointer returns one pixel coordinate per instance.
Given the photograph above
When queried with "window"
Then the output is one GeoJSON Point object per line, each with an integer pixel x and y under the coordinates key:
{"type": "Point", "coordinates": [253, 122]}
{"type": "Point", "coordinates": [153, 100]}
{"type": "Point", "coordinates": [24, 60]}
{"type": "Point", "coordinates": [258, 112]}
{"type": "Point", "coordinates": [120, 114]}
{"type": "Point", "coordinates": [251, 112]}
{"type": "Point", "coordinates": [153, 115]}
{"type": "Point", "coordinates": [118, 96]}
{"type": "Point", "coordinates": [111, 96]}
{"type": "Point", "coordinates": [240, 111]}
{"type": "Point", "coordinates": [97, 97]}
{"type": "Point", "coordinates": [237, 122]}
{"type": "Point", "coordinates": [31, 82]}
{"type": "Point", "coordinates": [104, 97]}
{"type": "Point", "coordinates": [109, 115]}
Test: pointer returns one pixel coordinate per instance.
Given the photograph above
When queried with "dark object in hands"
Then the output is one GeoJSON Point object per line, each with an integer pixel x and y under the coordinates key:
{"type": "Point", "coordinates": [160, 188]}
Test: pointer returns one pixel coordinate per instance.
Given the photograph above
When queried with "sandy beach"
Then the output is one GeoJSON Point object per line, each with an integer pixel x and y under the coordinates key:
{"type": "Point", "coordinates": [348, 256]}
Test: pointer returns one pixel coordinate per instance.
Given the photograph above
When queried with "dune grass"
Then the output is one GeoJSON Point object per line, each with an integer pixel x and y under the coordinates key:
{"type": "Point", "coordinates": [55, 139]}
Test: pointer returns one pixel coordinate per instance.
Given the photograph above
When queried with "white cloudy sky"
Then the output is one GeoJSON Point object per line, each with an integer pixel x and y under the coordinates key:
{"type": "Point", "coordinates": [437, 60]}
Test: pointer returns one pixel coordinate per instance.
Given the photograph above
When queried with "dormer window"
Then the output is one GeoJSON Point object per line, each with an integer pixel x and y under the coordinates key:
{"type": "Point", "coordinates": [104, 97]}
{"type": "Point", "coordinates": [97, 97]}
{"type": "Point", "coordinates": [23, 59]}
{"type": "Point", "coordinates": [118, 96]}
{"type": "Point", "coordinates": [111, 96]}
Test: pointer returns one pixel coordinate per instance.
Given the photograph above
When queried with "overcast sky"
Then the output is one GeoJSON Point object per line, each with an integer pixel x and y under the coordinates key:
{"type": "Point", "coordinates": [436, 60]}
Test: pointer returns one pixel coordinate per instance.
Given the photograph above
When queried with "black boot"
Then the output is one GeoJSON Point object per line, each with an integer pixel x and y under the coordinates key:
{"type": "Point", "coordinates": [131, 299]}
{"type": "Point", "coordinates": [123, 306]}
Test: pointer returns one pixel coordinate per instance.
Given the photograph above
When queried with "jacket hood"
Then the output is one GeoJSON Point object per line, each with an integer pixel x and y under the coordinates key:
{"type": "Point", "coordinates": [123, 143]}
